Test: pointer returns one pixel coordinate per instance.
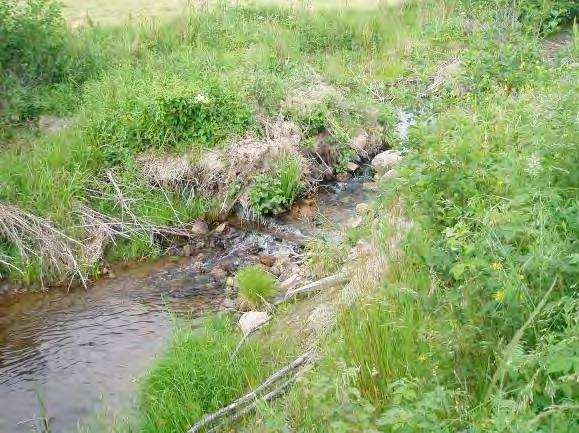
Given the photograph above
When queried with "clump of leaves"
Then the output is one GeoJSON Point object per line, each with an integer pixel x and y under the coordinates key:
{"type": "Point", "coordinates": [271, 193]}
{"type": "Point", "coordinates": [255, 284]}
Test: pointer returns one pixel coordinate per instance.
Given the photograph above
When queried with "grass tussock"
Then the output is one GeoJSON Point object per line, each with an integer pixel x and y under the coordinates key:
{"type": "Point", "coordinates": [256, 285]}
{"type": "Point", "coordinates": [197, 376]}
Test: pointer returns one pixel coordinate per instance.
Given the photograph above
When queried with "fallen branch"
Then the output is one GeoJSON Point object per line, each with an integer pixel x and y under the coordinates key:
{"type": "Point", "coordinates": [267, 397]}
{"type": "Point", "coordinates": [324, 283]}
{"type": "Point", "coordinates": [248, 401]}
{"type": "Point", "coordinates": [6, 263]}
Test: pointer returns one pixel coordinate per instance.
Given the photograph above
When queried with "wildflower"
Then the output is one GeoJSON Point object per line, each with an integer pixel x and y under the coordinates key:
{"type": "Point", "coordinates": [534, 165]}
{"type": "Point", "coordinates": [374, 372]}
{"type": "Point", "coordinates": [201, 99]}
{"type": "Point", "coordinates": [500, 296]}
{"type": "Point", "coordinates": [496, 266]}
{"type": "Point", "coordinates": [422, 358]}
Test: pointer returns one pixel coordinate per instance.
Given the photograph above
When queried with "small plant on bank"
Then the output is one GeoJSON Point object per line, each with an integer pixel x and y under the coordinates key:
{"type": "Point", "coordinates": [255, 285]}
{"type": "Point", "coordinates": [271, 193]}
{"type": "Point", "coordinates": [324, 257]}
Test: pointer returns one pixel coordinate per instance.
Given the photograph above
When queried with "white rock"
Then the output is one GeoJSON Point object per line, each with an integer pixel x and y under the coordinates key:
{"type": "Point", "coordinates": [385, 161]}
{"type": "Point", "coordinates": [251, 320]}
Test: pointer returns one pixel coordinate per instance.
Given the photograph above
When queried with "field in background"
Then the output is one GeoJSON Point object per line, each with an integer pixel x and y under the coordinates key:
{"type": "Point", "coordinates": [112, 11]}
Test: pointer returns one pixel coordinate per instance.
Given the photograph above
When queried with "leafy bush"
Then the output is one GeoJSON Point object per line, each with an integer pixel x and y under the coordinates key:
{"type": "Point", "coordinates": [132, 112]}
{"type": "Point", "coordinates": [255, 284]}
{"type": "Point", "coordinates": [546, 16]}
{"type": "Point", "coordinates": [32, 40]}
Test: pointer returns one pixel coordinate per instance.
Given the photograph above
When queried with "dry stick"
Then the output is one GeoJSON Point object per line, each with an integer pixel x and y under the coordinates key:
{"type": "Point", "coordinates": [324, 283]}
{"type": "Point", "coordinates": [10, 265]}
{"type": "Point", "coordinates": [274, 378]}
{"type": "Point", "coordinates": [121, 197]}
{"type": "Point", "coordinates": [267, 397]}
{"type": "Point", "coordinates": [517, 338]}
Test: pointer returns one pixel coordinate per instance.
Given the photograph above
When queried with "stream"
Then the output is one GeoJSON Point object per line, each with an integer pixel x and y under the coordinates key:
{"type": "Point", "coordinates": [81, 351]}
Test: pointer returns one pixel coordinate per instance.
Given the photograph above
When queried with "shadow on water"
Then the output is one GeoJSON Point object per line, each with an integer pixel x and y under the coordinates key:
{"type": "Point", "coordinates": [82, 350]}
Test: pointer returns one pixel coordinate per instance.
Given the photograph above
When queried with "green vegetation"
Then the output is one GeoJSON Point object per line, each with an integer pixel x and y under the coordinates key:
{"type": "Point", "coordinates": [204, 81]}
{"type": "Point", "coordinates": [256, 285]}
{"type": "Point", "coordinates": [197, 375]}
{"type": "Point", "coordinates": [276, 191]}
{"type": "Point", "coordinates": [474, 326]}
{"type": "Point", "coordinates": [325, 257]}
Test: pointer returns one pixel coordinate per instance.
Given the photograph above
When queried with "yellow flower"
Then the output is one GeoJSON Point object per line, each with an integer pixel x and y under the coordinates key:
{"type": "Point", "coordinates": [422, 358]}
{"type": "Point", "coordinates": [496, 266]}
{"type": "Point", "coordinates": [500, 296]}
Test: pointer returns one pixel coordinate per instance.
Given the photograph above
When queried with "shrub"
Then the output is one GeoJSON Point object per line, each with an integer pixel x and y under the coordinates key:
{"type": "Point", "coordinates": [546, 16]}
{"type": "Point", "coordinates": [32, 40]}
{"type": "Point", "coordinates": [255, 284]}
{"type": "Point", "coordinates": [133, 111]}
{"type": "Point", "coordinates": [272, 192]}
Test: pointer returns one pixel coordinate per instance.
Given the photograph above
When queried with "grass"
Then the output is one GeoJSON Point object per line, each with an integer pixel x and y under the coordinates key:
{"type": "Point", "coordinates": [256, 285]}
{"type": "Point", "coordinates": [150, 87]}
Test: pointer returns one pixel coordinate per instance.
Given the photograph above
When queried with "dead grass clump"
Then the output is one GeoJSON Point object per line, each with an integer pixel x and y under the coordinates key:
{"type": "Point", "coordinates": [305, 100]}
{"type": "Point", "coordinates": [37, 238]}
{"type": "Point", "coordinates": [166, 171]}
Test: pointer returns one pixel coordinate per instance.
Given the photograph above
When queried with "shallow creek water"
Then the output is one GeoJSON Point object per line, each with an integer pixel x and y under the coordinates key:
{"type": "Point", "coordinates": [82, 350]}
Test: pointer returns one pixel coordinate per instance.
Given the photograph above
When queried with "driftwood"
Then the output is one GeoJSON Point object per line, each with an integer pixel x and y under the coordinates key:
{"type": "Point", "coordinates": [324, 283]}
{"type": "Point", "coordinates": [245, 404]}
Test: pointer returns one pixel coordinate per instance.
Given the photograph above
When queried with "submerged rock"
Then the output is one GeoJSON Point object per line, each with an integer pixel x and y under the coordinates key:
{"type": "Point", "coordinates": [219, 274]}
{"type": "Point", "coordinates": [228, 304]}
{"type": "Point", "coordinates": [251, 320]}
{"type": "Point", "coordinates": [370, 186]}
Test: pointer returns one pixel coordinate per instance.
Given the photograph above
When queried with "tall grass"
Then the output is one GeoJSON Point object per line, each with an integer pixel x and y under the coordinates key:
{"type": "Point", "coordinates": [197, 376]}
{"type": "Point", "coordinates": [178, 87]}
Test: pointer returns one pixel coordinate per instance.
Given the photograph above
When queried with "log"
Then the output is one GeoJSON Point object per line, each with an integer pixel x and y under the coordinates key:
{"type": "Point", "coordinates": [252, 396]}
{"type": "Point", "coordinates": [324, 283]}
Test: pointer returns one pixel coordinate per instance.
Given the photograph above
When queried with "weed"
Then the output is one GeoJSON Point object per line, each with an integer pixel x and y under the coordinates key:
{"type": "Point", "coordinates": [324, 257]}
{"type": "Point", "coordinates": [271, 193]}
{"type": "Point", "coordinates": [256, 285]}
